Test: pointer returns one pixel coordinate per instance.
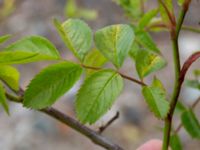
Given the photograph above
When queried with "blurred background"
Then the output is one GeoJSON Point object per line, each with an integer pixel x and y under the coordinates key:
{"type": "Point", "coordinates": [29, 130]}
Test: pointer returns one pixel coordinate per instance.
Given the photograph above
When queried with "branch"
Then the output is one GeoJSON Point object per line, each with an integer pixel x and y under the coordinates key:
{"type": "Point", "coordinates": [177, 85]}
{"type": "Point", "coordinates": [192, 107]}
{"type": "Point", "coordinates": [101, 129]}
{"type": "Point", "coordinates": [123, 75]}
{"type": "Point", "coordinates": [169, 14]}
{"type": "Point", "coordinates": [74, 124]}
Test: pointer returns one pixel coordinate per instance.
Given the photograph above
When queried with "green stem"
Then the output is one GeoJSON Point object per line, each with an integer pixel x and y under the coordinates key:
{"type": "Point", "coordinates": [177, 67]}
{"type": "Point", "coordinates": [188, 28]}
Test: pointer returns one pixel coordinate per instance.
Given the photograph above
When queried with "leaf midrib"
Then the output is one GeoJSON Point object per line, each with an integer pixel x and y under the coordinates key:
{"type": "Point", "coordinates": [114, 74]}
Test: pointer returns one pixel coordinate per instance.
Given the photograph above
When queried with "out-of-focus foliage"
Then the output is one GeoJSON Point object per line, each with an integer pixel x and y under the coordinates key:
{"type": "Point", "coordinates": [7, 8]}
{"type": "Point", "coordinates": [133, 8]}
{"type": "Point", "coordinates": [72, 10]}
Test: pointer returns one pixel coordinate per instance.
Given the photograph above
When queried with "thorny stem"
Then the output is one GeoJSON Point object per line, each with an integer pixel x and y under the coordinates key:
{"type": "Point", "coordinates": [177, 86]}
{"type": "Point", "coordinates": [94, 136]}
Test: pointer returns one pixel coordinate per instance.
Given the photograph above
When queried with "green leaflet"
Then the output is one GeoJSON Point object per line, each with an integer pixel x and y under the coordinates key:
{"type": "Point", "coordinates": [50, 84]}
{"type": "Point", "coordinates": [134, 50]}
{"type": "Point", "coordinates": [114, 42]}
{"type": "Point", "coordinates": [3, 99]}
{"type": "Point", "coordinates": [180, 107]}
{"type": "Point", "coordinates": [196, 72]}
{"type": "Point", "coordinates": [29, 49]}
{"type": "Point", "coordinates": [131, 7]}
{"type": "Point", "coordinates": [97, 94]}
{"type": "Point", "coordinates": [10, 76]}
{"type": "Point", "coordinates": [4, 38]}
{"type": "Point", "coordinates": [147, 62]}
{"type": "Point", "coordinates": [95, 59]}
{"type": "Point", "coordinates": [191, 123]}
{"type": "Point", "coordinates": [72, 10]}
{"type": "Point", "coordinates": [144, 39]}
{"type": "Point", "coordinates": [181, 2]}
{"type": "Point", "coordinates": [146, 19]}
{"type": "Point", "coordinates": [77, 36]}
{"type": "Point", "coordinates": [193, 84]}
{"type": "Point", "coordinates": [175, 142]}
{"type": "Point", "coordinates": [155, 96]}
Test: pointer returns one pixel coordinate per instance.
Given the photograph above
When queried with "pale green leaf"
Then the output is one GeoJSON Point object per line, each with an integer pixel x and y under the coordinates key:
{"type": "Point", "coordinates": [131, 7]}
{"type": "Point", "coordinates": [191, 123]}
{"type": "Point", "coordinates": [50, 84]}
{"type": "Point", "coordinates": [181, 2]}
{"type": "Point", "coordinates": [3, 99]}
{"type": "Point", "coordinates": [155, 97]}
{"type": "Point", "coordinates": [95, 59]}
{"type": "Point", "coordinates": [144, 39]}
{"type": "Point", "coordinates": [114, 42]}
{"type": "Point", "coordinates": [4, 38]}
{"type": "Point", "coordinates": [77, 36]}
{"type": "Point", "coordinates": [175, 142]}
{"type": "Point", "coordinates": [147, 62]}
{"type": "Point", "coordinates": [146, 19]}
{"type": "Point", "coordinates": [10, 76]}
{"type": "Point", "coordinates": [29, 49]}
{"type": "Point", "coordinates": [73, 11]}
{"type": "Point", "coordinates": [97, 94]}
{"type": "Point", "coordinates": [134, 50]}
{"type": "Point", "coordinates": [71, 8]}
